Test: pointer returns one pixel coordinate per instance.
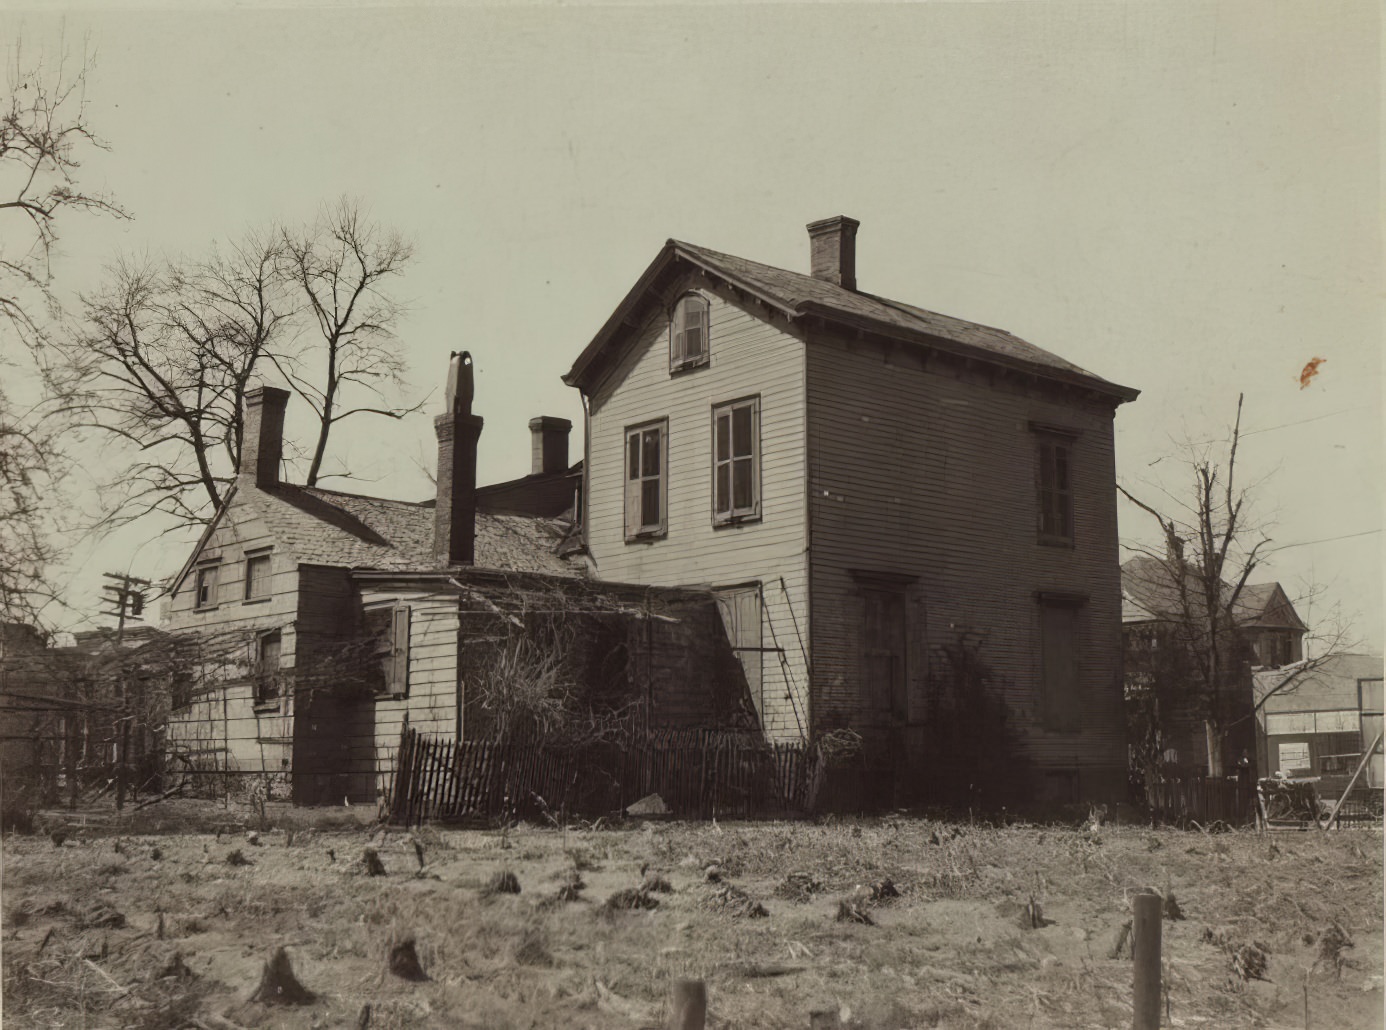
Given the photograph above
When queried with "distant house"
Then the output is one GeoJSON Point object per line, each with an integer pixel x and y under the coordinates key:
{"type": "Point", "coordinates": [1317, 718]}
{"type": "Point", "coordinates": [327, 619]}
{"type": "Point", "coordinates": [891, 506]}
{"type": "Point", "coordinates": [1161, 683]}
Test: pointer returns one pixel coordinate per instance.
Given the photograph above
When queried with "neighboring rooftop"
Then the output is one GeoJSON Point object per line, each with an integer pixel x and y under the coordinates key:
{"type": "Point", "coordinates": [1149, 594]}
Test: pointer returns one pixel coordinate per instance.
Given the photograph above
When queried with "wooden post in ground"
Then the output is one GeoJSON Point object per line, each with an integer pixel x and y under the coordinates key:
{"type": "Point", "coordinates": [1145, 950]}
{"type": "Point", "coordinates": [688, 1005]}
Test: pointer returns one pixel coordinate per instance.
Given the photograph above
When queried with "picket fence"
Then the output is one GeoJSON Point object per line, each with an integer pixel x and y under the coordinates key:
{"type": "Point", "coordinates": [698, 775]}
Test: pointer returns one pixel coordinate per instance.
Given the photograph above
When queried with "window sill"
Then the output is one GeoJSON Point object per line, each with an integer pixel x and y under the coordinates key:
{"type": "Point", "coordinates": [1056, 541]}
{"type": "Point", "coordinates": [386, 695]}
{"type": "Point", "coordinates": [648, 537]}
{"type": "Point", "coordinates": [205, 608]}
{"type": "Point", "coordinates": [266, 707]}
{"type": "Point", "coordinates": [688, 366]}
{"type": "Point", "coordinates": [256, 600]}
{"type": "Point", "coordinates": [735, 520]}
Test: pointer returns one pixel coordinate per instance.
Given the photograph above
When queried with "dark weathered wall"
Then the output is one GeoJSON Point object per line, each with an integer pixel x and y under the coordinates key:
{"type": "Point", "coordinates": [929, 471]}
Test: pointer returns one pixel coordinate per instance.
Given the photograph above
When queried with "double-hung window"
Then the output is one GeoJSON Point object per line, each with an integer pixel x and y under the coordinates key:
{"type": "Point", "coordinates": [736, 461]}
{"type": "Point", "coordinates": [257, 576]}
{"type": "Point", "coordinates": [647, 480]}
{"type": "Point", "coordinates": [688, 332]}
{"type": "Point", "coordinates": [205, 586]}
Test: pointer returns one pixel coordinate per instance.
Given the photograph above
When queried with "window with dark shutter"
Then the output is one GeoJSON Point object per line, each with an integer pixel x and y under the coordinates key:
{"type": "Point", "coordinates": [647, 451]}
{"type": "Point", "coordinates": [688, 333]}
{"type": "Point", "coordinates": [736, 461]}
{"type": "Point", "coordinates": [1054, 483]}
{"type": "Point", "coordinates": [268, 648]}
{"type": "Point", "coordinates": [388, 628]}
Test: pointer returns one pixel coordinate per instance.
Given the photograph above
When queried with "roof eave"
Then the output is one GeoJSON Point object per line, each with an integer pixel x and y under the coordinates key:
{"type": "Point", "coordinates": [827, 312]}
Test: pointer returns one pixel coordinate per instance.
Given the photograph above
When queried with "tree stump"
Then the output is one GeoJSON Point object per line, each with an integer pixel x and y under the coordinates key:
{"type": "Point", "coordinates": [279, 986]}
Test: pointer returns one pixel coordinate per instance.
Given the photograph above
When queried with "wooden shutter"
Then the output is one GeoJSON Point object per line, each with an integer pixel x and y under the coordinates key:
{"type": "Point", "coordinates": [740, 609]}
{"type": "Point", "coordinates": [399, 652]}
{"type": "Point", "coordinates": [632, 483]}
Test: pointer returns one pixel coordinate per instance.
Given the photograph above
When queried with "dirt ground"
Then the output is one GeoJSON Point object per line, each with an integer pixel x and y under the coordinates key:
{"type": "Point", "coordinates": [140, 926]}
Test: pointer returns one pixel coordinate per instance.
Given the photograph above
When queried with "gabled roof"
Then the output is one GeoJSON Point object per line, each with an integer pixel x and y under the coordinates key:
{"type": "Point", "coordinates": [796, 295]}
{"type": "Point", "coordinates": [1149, 593]}
{"type": "Point", "coordinates": [354, 531]}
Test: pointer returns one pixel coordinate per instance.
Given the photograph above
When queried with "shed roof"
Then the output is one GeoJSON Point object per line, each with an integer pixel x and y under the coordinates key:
{"type": "Point", "coordinates": [796, 294]}
{"type": "Point", "coordinates": [1321, 684]}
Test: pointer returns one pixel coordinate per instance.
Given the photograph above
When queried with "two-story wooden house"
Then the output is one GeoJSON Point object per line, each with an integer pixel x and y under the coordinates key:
{"type": "Point", "coordinates": [866, 486]}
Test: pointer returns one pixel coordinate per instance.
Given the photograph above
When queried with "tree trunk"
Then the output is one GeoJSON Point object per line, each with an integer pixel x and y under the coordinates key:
{"type": "Point", "coordinates": [1214, 739]}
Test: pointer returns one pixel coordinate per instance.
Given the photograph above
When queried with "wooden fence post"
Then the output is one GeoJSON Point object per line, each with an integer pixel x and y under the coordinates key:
{"type": "Point", "coordinates": [688, 1005]}
{"type": "Point", "coordinates": [1145, 950]}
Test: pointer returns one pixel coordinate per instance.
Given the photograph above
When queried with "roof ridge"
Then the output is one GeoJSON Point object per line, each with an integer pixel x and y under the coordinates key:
{"type": "Point", "coordinates": [359, 497]}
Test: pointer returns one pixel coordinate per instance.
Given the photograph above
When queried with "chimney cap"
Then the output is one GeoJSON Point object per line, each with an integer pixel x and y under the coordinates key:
{"type": "Point", "coordinates": [833, 224]}
{"type": "Point", "coordinates": [542, 422]}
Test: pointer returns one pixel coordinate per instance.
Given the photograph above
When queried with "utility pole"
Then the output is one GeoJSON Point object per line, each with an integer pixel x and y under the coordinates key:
{"type": "Point", "coordinates": [126, 596]}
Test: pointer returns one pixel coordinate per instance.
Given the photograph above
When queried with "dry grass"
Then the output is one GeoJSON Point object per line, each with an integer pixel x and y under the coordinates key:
{"type": "Point", "coordinates": [947, 949]}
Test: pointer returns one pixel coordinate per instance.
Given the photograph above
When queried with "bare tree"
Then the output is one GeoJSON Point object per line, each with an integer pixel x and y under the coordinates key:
{"type": "Point", "coordinates": [342, 266]}
{"type": "Point", "coordinates": [44, 136]}
{"type": "Point", "coordinates": [166, 356]}
{"type": "Point", "coordinates": [1194, 661]}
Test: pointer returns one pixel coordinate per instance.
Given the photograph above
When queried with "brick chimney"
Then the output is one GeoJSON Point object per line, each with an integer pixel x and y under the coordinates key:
{"type": "Point", "coordinates": [262, 434]}
{"type": "Point", "coordinates": [548, 437]}
{"type": "Point", "coordinates": [833, 250]}
{"type": "Point", "coordinates": [454, 520]}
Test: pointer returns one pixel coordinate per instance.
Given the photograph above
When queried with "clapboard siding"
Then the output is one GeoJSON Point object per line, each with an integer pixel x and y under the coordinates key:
{"type": "Point", "coordinates": [431, 705]}
{"type": "Point", "coordinates": [225, 726]}
{"type": "Point", "coordinates": [748, 356]}
{"type": "Point", "coordinates": [930, 472]}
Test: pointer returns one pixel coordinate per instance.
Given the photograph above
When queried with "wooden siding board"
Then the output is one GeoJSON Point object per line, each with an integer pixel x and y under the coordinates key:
{"type": "Point", "coordinates": [933, 475]}
{"type": "Point", "coordinates": [748, 356]}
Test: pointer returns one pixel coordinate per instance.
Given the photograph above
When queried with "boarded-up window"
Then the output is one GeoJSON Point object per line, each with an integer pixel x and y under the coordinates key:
{"type": "Point", "coordinates": [883, 651]}
{"type": "Point", "coordinates": [1059, 658]}
{"type": "Point", "coordinates": [736, 461]}
{"type": "Point", "coordinates": [267, 678]}
{"type": "Point", "coordinates": [257, 576]}
{"type": "Point", "coordinates": [740, 608]}
{"type": "Point", "coordinates": [647, 460]}
{"type": "Point", "coordinates": [389, 628]}
{"type": "Point", "coordinates": [688, 333]}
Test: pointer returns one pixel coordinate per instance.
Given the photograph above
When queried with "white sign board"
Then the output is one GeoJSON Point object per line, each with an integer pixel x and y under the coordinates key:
{"type": "Point", "coordinates": [1294, 758]}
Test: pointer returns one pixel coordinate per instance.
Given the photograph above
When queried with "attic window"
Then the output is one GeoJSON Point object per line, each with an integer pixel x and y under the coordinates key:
{"type": "Point", "coordinates": [688, 333]}
{"type": "Point", "coordinates": [206, 587]}
{"type": "Point", "coordinates": [257, 576]}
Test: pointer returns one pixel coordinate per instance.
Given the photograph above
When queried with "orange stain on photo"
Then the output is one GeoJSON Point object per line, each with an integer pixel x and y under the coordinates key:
{"type": "Point", "coordinates": [1310, 371]}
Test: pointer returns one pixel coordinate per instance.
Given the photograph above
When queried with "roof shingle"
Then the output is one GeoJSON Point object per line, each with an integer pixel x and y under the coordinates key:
{"type": "Point", "coordinates": [326, 527]}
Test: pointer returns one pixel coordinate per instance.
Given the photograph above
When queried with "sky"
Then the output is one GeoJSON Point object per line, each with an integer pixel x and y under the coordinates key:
{"type": "Point", "coordinates": [1182, 198]}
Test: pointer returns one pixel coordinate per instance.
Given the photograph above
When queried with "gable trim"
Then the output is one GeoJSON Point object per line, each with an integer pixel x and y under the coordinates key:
{"type": "Point", "coordinates": [177, 581]}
